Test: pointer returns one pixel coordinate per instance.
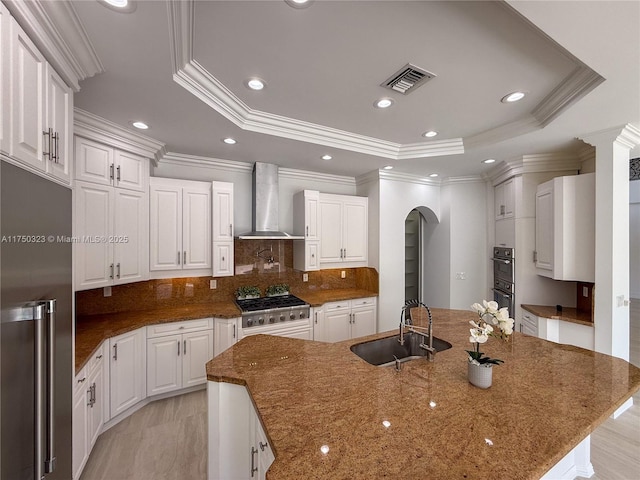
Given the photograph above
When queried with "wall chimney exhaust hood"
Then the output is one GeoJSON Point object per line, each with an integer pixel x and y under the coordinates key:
{"type": "Point", "coordinates": [264, 214]}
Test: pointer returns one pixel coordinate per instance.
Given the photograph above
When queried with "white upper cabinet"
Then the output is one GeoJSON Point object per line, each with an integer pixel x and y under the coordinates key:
{"type": "Point", "coordinates": [37, 115]}
{"type": "Point", "coordinates": [343, 230]}
{"type": "Point", "coordinates": [105, 165]}
{"type": "Point", "coordinates": [504, 199]}
{"type": "Point", "coordinates": [180, 225]}
{"type": "Point", "coordinates": [223, 252]}
{"type": "Point", "coordinates": [565, 228]}
{"type": "Point", "coordinates": [306, 223]}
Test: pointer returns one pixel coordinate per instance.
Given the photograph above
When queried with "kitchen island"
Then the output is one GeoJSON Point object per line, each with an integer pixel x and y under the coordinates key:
{"type": "Point", "coordinates": [425, 421]}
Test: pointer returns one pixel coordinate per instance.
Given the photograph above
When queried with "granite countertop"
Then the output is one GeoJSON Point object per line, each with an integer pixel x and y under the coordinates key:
{"type": "Point", "coordinates": [568, 314]}
{"type": "Point", "coordinates": [92, 330]}
{"type": "Point", "coordinates": [545, 399]}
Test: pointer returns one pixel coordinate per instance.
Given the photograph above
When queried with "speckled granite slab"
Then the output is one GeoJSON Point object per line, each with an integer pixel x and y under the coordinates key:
{"type": "Point", "coordinates": [545, 399]}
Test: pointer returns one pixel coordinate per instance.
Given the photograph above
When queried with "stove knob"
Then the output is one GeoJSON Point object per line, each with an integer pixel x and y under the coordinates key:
{"type": "Point", "coordinates": [292, 316]}
{"type": "Point", "coordinates": [261, 320]}
{"type": "Point", "coordinates": [282, 318]}
{"type": "Point", "coordinates": [249, 322]}
{"type": "Point", "coordinates": [301, 314]}
{"type": "Point", "coordinates": [271, 319]}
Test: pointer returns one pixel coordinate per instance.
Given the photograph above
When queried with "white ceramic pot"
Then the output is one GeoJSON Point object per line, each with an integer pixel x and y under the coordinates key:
{"type": "Point", "coordinates": [480, 375]}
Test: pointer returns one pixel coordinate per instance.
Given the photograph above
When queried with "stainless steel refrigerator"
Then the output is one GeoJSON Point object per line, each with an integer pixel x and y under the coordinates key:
{"type": "Point", "coordinates": [36, 329]}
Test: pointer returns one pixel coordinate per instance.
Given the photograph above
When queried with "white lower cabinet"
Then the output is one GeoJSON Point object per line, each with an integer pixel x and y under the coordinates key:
{"type": "Point", "coordinates": [529, 324]}
{"type": "Point", "coordinates": [337, 321]}
{"type": "Point", "coordinates": [177, 354]}
{"type": "Point", "coordinates": [89, 402]}
{"type": "Point", "coordinates": [225, 334]}
{"type": "Point", "coordinates": [127, 371]}
{"type": "Point", "coordinates": [238, 446]}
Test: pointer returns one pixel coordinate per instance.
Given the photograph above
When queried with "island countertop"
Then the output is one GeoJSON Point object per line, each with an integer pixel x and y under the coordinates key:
{"type": "Point", "coordinates": [545, 399]}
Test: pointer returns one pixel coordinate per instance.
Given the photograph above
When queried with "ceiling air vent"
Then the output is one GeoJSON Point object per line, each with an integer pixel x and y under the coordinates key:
{"type": "Point", "coordinates": [407, 79]}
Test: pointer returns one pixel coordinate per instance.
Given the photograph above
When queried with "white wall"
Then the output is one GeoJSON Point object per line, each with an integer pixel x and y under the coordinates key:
{"type": "Point", "coordinates": [634, 239]}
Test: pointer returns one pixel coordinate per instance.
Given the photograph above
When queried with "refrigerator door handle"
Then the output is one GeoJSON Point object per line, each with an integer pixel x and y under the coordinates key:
{"type": "Point", "coordinates": [38, 310]}
{"type": "Point", "coordinates": [50, 454]}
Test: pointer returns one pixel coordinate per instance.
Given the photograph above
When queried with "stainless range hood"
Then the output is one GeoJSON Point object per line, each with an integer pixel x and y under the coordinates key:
{"type": "Point", "coordinates": [264, 215]}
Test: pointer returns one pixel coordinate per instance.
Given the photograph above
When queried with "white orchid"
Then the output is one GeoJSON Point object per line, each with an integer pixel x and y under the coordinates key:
{"type": "Point", "coordinates": [489, 314]}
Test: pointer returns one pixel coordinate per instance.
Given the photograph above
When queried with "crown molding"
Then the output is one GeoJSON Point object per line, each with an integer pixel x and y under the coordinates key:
{"type": "Point", "coordinates": [181, 159]}
{"type": "Point", "coordinates": [463, 180]}
{"type": "Point", "coordinates": [626, 135]}
{"type": "Point", "coordinates": [538, 163]}
{"type": "Point", "coordinates": [93, 127]}
{"type": "Point", "coordinates": [503, 132]}
{"type": "Point", "coordinates": [58, 32]}
{"type": "Point", "coordinates": [580, 82]}
{"type": "Point", "coordinates": [369, 177]}
{"type": "Point", "coordinates": [315, 176]}
{"type": "Point", "coordinates": [408, 178]}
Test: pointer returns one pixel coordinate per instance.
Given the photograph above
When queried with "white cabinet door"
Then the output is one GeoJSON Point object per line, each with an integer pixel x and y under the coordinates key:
{"type": "Point", "coordinates": [5, 94]}
{"type": "Point", "coordinates": [223, 259]}
{"type": "Point", "coordinates": [131, 171]}
{"type": "Point", "coordinates": [222, 199]}
{"type": "Point", "coordinates": [197, 350]}
{"type": "Point", "coordinates": [338, 326]}
{"type": "Point", "coordinates": [225, 334]}
{"type": "Point", "coordinates": [59, 115]}
{"type": "Point", "coordinates": [165, 242]}
{"type": "Point", "coordinates": [164, 364]}
{"type": "Point", "coordinates": [94, 223]}
{"type": "Point", "coordinates": [330, 231]}
{"type": "Point", "coordinates": [28, 99]}
{"type": "Point", "coordinates": [95, 408]}
{"type": "Point", "coordinates": [363, 321]}
{"type": "Point", "coordinates": [504, 199]}
{"type": "Point", "coordinates": [544, 227]}
{"type": "Point", "coordinates": [355, 230]}
{"type": "Point", "coordinates": [79, 439]}
{"type": "Point", "coordinates": [131, 236]}
{"type": "Point", "coordinates": [127, 367]}
{"type": "Point", "coordinates": [94, 162]}
{"type": "Point", "coordinates": [319, 324]}
{"type": "Point", "coordinates": [196, 227]}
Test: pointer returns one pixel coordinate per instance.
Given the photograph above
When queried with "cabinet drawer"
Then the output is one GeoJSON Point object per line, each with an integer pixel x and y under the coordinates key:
{"type": "Point", "coordinates": [81, 381]}
{"type": "Point", "coordinates": [333, 306]}
{"type": "Point", "coordinates": [360, 302]}
{"type": "Point", "coordinates": [179, 327]}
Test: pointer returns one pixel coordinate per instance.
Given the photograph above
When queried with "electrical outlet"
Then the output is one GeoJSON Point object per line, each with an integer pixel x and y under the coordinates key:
{"type": "Point", "coordinates": [106, 291]}
{"type": "Point", "coordinates": [585, 291]}
{"type": "Point", "coordinates": [343, 274]}
{"type": "Point", "coordinates": [305, 277]}
{"type": "Point", "coordinates": [213, 284]}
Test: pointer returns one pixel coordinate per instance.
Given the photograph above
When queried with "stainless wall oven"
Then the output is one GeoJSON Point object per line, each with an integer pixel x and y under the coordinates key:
{"type": "Point", "coordinates": [504, 278]}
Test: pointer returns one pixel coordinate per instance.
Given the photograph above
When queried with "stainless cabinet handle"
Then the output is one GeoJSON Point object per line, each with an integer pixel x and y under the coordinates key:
{"type": "Point", "coordinates": [179, 258]}
{"type": "Point", "coordinates": [231, 230]}
{"type": "Point", "coordinates": [254, 469]}
{"type": "Point", "coordinates": [115, 352]}
{"type": "Point", "coordinates": [118, 175]}
{"type": "Point", "coordinates": [307, 227]}
{"type": "Point", "coordinates": [184, 257]}
{"type": "Point", "coordinates": [99, 357]}
{"type": "Point", "coordinates": [263, 445]}
{"type": "Point", "coordinates": [118, 267]}
{"type": "Point", "coordinates": [316, 315]}
{"type": "Point", "coordinates": [345, 253]}
{"type": "Point", "coordinates": [184, 347]}
{"type": "Point", "coordinates": [223, 259]}
{"type": "Point", "coordinates": [47, 133]}
{"type": "Point", "coordinates": [82, 380]}
{"type": "Point", "coordinates": [111, 274]}
{"type": "Point", "coordinates": [234, 330]}
{"type": "Point", "coordinates": [111, 171]}
{"type": "Point", "coordinates": [55, 157]}
{"type": "Point", "coordinates": [178, 347]}
{"type": "Point", "coordinates": [89, 404]}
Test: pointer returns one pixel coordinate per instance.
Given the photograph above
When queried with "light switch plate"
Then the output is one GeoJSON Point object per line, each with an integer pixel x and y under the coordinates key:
{"type": "Point", "coordinates": [305, 277]}
{"type": "Point", "coordinates": [585, 291]}
{"type": "Point", "coordinates": [106, 291]}
{"type": "Point", "coordinates": [343, 274]}
{"type": "Point", "coordinates": [213, 284]}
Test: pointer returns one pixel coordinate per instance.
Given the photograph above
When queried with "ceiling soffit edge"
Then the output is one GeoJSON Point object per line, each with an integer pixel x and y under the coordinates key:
{"type": "Point", "coordinates": [93, 127]}
{"type": "Point", "coordinates": [57, 30]}
{"type": "Point", "coordinates": [194, 78]}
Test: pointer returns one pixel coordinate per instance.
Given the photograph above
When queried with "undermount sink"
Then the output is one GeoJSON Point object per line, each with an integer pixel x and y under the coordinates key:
{"type": "Point", "coordinates": [381, 352]}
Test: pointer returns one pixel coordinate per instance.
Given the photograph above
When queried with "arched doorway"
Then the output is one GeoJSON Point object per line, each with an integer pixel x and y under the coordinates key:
{"type": "Point", "coordinates": [415, 225]}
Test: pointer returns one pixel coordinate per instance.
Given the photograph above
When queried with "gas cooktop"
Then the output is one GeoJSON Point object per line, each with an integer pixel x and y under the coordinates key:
{"type": "Point", "coordinates": [269, 303]}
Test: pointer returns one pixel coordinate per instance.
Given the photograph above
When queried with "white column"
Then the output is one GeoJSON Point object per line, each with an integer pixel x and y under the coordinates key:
{"type": "Point", "coordinates": [611, 314]}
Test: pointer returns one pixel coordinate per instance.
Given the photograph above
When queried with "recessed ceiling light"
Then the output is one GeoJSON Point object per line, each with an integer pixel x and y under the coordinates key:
{"type": "Point", "coordinates": [388, 167]}
{"type": "Point", "coordinates": [489, 160]}
{"type": "Point", "coordinates": [383, 103]}
{"type": "Point", "coordinates": [433, 175]}
{"type": "Point", "coordinates": [140, 125]}
{"type": "Point", "coordinates": [430, 133]}
{"type": "Point", "coordinates": [255, 83]}
{"type": "Point", "coordinates": [326, 157]}
{"type": "Point", "coordinates": [299, 3]}
{"type": "Point", "coordinates": [123, 6]}
{"type": "Point", "coordinates": [513, 97]}
{"type": "Point", "coordinates": [229, 141]}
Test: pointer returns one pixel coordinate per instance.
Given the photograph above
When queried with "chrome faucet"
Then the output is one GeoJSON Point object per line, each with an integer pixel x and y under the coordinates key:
{"type": "Point", "coordinates": [406, 322]}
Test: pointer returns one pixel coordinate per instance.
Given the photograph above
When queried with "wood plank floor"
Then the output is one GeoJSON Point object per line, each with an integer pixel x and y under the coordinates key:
{"type": "Point", "coordinates": [167, 439]}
